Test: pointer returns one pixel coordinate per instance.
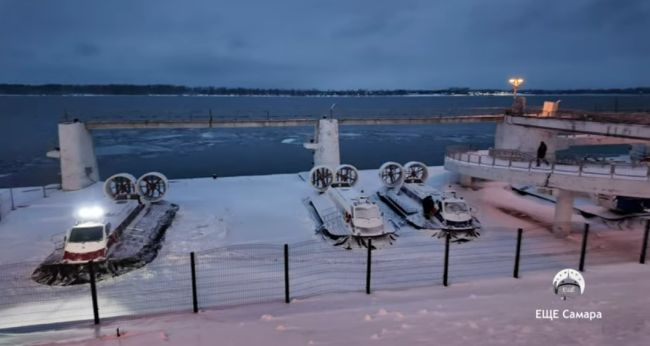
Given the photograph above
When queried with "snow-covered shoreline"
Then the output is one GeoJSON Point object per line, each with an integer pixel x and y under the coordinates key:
{"type": "Point", "coordinates": [222, 220]}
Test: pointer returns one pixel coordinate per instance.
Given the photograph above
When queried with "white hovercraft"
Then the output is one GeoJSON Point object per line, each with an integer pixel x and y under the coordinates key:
{"type": "Point", "coordinates": [345, 213]}
{"type": "Point", "coordinates": [125, 237]}
{"type": "Point", "coordinates": [421, 205]}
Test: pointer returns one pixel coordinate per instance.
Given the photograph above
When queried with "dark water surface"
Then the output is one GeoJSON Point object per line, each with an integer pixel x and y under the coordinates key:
{"type": "Point", "coordinates": [28, 128]}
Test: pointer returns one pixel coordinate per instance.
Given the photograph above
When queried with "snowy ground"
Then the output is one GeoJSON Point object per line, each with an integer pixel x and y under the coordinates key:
{"type": "Point", "coordinates": [485, 312]}
{"type": "Point", "coordinates": [230, 211]}
{"type": "Point", "coordinates": [222, 218]}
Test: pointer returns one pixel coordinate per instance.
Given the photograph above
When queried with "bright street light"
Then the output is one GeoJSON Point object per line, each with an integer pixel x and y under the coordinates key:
{"type": "Point", "coordinates": [516, 82]}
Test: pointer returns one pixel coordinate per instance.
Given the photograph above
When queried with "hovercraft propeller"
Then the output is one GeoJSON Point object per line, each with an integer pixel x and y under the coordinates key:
{"type": "Point", "coordinates": [152, 186]}
{"type": "Point", "coordinates": [391, 174]}
{"type": "Point", "coordinates": [119, 186]}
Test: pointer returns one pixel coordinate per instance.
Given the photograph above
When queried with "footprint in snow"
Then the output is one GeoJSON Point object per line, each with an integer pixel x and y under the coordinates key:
{"type": "Point", "coordinates": [267, 317]}
{"type": "Point", "coordinates": [283, 328]}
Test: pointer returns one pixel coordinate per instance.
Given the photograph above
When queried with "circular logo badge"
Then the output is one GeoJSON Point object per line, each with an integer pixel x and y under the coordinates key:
{"type": "Point", "coordinates": [568, 283]}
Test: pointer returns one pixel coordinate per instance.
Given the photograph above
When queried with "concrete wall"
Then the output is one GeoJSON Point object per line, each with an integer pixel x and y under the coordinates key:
{"type": "Point", "coordinates": [581, 139]}
{"type": "Point", "coordinates": [527, 139]}
{"type": "Point", "coordinates": [623, 130]}
{"type": "Point", "coordinates": [326, 144]}
{"type": "Point", "coordinates": [78, 161]}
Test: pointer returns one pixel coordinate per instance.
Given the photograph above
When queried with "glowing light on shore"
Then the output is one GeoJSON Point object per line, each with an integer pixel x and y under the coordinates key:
{"type": "Point", "coordinates": [516, 82]}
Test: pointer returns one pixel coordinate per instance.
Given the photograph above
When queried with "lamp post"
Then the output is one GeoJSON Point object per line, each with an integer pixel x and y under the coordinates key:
{"type": "Point", "coordinates": [516, 82]}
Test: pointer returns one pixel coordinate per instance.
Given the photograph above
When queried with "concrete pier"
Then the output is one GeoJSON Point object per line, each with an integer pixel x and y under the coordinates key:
{"type": "Point", "coordinates": [617, 180]}
{"type": "Point", "coordinates": [79, 165]}
{"type": "Point", "coordinates": [527, 139]}
{"type": "Point", "coordinates": [77, 153]}
{"type": "Point", "coordinates": [595, 125]}
{"type": "Point", "coordinates": [289, 122]}
{"type": "Point", "coordinates": [465, 180]}
{"type": "Point", "coordinates": [326, 144]}
{"type": "Point", "coordinates": [518, 133]}
{"type": "Point", "coordinates": [613, 180]}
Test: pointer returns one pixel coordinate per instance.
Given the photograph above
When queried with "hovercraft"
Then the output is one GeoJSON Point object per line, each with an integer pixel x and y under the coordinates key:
{"type": "Point", "coordinates": [126, 236]}
{"type": "Point", "coordinates": [344, 213]}
{"type": "Point", "coordinates": [423, 206]}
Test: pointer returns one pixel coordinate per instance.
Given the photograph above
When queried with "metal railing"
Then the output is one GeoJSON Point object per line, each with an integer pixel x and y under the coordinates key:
{"type": "Point", "coordinates": [13, 198]}
{"type": "Point", "coordinates": [511, 159]}
{"type": "Point", "coordinates": [641, 117]}
{"type": "Point", "coordinates": [211, 122]}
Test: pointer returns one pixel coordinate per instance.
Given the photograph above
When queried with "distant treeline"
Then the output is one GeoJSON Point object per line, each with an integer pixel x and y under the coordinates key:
{"type": "Point", "coordinates": [163, 89]}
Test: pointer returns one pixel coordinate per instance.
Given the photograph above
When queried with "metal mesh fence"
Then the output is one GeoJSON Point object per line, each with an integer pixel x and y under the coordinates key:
{"type": "Point", "coordinates": [25, 302]}
{"type": "Point", "coordinates": [482, 259]}
{"type": "Point", "coordinates": [161, 286]}
{"type": "Point", "coordinates": [539, 252]}
{"type": "Point", "coordinates": [421, 265]}
{"type": "Point", "coordinates": [254, 273]}
{"type": "Point", "coordinates": [240, 274]}
{"type": "Point", "coordinates": [318, 267]}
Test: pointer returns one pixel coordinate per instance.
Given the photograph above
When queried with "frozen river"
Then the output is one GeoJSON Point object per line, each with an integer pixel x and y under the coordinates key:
{"type": "Point", "coordinates": [28, 129]}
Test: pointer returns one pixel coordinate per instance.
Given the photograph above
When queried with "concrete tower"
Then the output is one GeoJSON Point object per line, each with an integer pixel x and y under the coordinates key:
{"type": "Point", "coordinates": [77, 152]}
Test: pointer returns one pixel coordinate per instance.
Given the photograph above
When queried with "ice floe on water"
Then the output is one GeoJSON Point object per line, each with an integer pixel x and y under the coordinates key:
{"type": "Point", "coordinates": [124, 149]}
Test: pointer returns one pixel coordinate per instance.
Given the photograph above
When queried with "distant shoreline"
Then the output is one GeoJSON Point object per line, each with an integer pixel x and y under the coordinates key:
{"type": "Point", "coordinates": [175, 90]}
{"type": "Point", "coordinates": [325, 96]}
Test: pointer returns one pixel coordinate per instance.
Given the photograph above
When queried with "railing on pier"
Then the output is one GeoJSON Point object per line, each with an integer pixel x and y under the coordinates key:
{"type": "Point", "coordinates": [639, 117]}
{"type": "Point", "coordinates": [516, 160]}
{"type": "Point", "coordinates": [212, 122]}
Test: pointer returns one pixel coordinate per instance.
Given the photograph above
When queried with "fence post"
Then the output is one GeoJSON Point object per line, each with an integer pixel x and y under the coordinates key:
{"type": "Point", "coordinates": [11, 195]}
{"type": "Point", "coordinates": [515, 272]}
{"type": "Point", "coordinates": [93, 291]}
{"type": "Point", "coordinates": [287, 298]}
{"type": "Point", "coordinates": [645, 242]}
{"type": "Point", "coordinates": [368, 266]}
{"type": "Point", "coordinates": [446, 269]}
{"type": "Point", "coordinates": [195, 302]}
{"type": "Point", "coordinates": [583, 252]}
{"type": "Point", "coordinates": [44, 194]}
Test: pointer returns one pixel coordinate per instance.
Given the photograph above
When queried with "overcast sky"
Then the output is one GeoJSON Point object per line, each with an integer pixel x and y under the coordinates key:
{"type": "Point", "coordinates": [328, 43]}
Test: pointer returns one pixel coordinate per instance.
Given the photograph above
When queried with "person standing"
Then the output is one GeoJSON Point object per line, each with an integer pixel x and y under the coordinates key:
{"type": "Point", "coordinates": [541, 153]}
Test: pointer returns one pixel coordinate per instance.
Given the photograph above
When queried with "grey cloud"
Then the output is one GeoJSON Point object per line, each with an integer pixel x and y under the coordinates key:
{"type": "Point", "coordinates": [86, 49]}
{"type": "Point", "coordinates": [327, 44]}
